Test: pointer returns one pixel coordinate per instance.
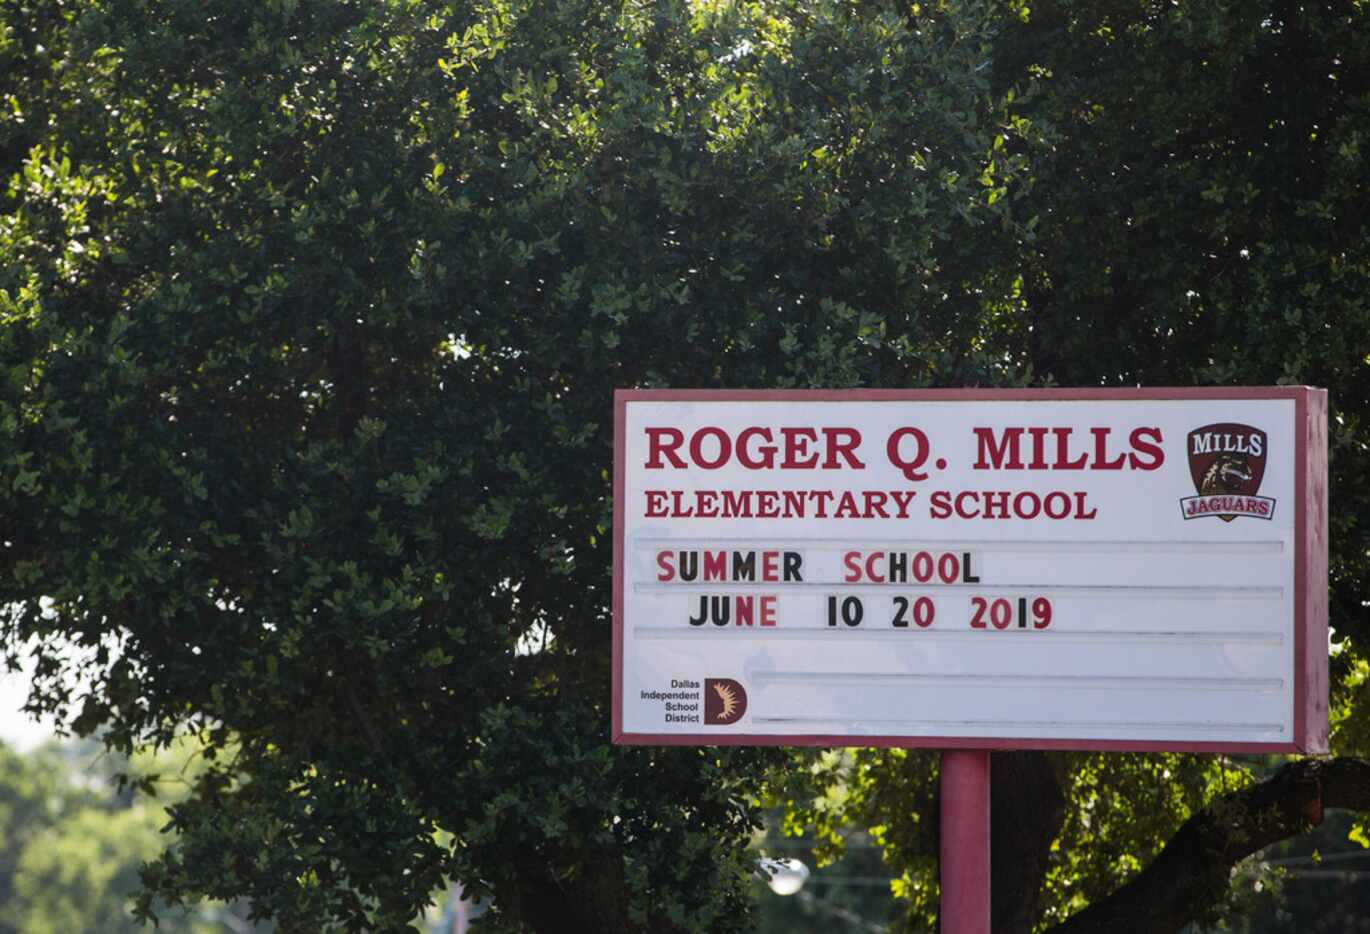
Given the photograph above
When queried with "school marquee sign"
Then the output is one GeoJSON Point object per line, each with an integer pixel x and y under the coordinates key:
{"type": "Point", "coordinates": [1105, 569]}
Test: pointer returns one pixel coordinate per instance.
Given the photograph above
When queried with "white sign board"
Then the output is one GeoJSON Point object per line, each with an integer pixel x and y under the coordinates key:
{"type": "Point", "coordinates": [1098, 569]}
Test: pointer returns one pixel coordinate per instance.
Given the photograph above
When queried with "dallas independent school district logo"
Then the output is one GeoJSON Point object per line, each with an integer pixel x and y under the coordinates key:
{"type": "Point", "coordinates": [725, 701]}
{"type": "Point", "coordinates": [1227, 462]}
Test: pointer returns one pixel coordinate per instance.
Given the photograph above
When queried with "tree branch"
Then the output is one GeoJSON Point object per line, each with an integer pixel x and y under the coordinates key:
{"type": "Point", "coordinates": [1192, 873]}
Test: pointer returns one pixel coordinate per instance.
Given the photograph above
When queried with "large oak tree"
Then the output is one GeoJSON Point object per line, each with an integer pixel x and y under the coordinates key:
{"type": "Point", "coordinates": [310, 313]}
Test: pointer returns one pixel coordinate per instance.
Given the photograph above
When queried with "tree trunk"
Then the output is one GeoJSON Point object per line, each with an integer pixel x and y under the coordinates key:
{"type": "Point", "coordinates": [1027, 807]}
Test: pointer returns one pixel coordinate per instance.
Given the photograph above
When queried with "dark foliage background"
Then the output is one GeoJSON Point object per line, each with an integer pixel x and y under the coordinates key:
{"type": "Point", "coordinates": [310, 315]}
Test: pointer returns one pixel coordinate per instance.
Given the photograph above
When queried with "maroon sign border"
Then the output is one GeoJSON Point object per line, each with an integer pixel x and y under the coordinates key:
{"type": "Point", "coordinates": [1310, 565]}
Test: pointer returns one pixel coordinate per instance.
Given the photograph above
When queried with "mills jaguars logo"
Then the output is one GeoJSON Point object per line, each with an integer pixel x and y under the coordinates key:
{"type": "Point", "coordinates": [725, 701]}
{"type": "Point", "coordinates": [1227, 463]}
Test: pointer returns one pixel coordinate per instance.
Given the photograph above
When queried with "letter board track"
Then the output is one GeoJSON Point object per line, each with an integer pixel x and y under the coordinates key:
{"type": "Point", "coordinates": [1054, 569]}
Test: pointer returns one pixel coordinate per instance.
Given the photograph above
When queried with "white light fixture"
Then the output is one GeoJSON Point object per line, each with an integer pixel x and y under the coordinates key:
{"type": "Point", "coordinates": [787, 876]}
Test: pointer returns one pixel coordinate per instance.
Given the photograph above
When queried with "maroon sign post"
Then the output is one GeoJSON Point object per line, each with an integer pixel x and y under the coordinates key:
{"type": "Point", "coordinates": [965, 841]}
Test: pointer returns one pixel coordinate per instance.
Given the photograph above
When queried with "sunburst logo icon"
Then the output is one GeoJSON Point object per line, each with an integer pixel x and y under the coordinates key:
{"type": "Point", "coordinates": [725, 701]}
